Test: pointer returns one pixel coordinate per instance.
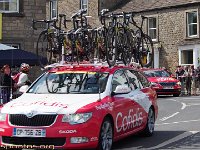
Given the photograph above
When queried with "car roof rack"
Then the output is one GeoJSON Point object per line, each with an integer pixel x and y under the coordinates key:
{"type": "Point", "coordinates": [86, 63]}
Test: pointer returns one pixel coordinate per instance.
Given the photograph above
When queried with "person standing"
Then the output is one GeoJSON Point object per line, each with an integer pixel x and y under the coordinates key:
{"type": "Point", "coordinates": [188, 79]}
{"type": "Point", "coordinates": [194, 80]}
{"type": "Point", "coordinates": [198, 77]}
{"type": "Point", "coordinates": [180, 76]}
{"type": "Point", "coordinates": [23, 78]}
{"type": "Point", "coordinates": [7, 83]}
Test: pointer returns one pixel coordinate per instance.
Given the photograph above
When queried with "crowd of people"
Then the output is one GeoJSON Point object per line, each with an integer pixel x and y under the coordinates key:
{"type": "Point", "coordinates": [189, 78]}
{"type": "Point", "coordinates": [9, 83]}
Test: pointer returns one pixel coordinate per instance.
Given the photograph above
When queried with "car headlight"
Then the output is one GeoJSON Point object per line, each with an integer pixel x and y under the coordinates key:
{"type": "Point", "coordinates": [178, 83]}
{"type": "Point", "coordinates": [77, 118]}
{"type": "Point", "coordinates": [2, 117]}
{"type": "Point", "coordinates": [154, 83]}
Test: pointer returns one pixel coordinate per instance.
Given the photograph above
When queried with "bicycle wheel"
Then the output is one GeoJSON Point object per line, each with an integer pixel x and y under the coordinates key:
{"type": "Point", "coordinates": [44, 50]}
{"type": "Point", "coordinates": [133, 42]}
{"type": "Point", "coordinates": [88, 47]}
{"type": "Point", "coordinates": [99, 47]}
{"type": "Point", "coordinates": [111, 50]}
{"type": "Point", "coordinates": [127, 48]}
{"type": "Point", "coordinates": [146, 51]}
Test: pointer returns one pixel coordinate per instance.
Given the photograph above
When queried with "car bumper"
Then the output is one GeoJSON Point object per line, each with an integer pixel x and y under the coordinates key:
{"type": "Point", "coordinates": [57, 136]}
{"type": "Point", "coordinates": [168, 91]}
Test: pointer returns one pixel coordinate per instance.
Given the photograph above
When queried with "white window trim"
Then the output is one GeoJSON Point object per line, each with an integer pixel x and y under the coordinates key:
{"type": "Point", "coordinates": [81, 5]}
{"type": "Point", "coordinates": [14, 44]}
{"type": "Point", "coordinates": [187, 25]}
{"type": "Point", "coordinates": [148, 29]}
{"type": "Point", "coordinates": [17, 11]}
{"type": "Point", "coordinates": [196, 54]}
{"type": "Point", "coordinates": [50, 6]}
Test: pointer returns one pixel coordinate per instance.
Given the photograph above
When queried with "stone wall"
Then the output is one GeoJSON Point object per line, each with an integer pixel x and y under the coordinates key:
{"type": "Point", "coordinates": [171, 33]}
{"type": "Point", "coordinates": [17, 28]}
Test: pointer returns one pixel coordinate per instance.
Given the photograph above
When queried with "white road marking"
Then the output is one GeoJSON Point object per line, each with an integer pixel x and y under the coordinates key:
{"type": "Point", "coordinates": [188, 121]}
{"type": "Point", "coordinates": [177, 138]}
{"type": "Point", "coordinates": [193, 104]}
{"type": "Point", "coordinates": [184, 106]}
{"type": "Point", "coordinates": [165, 118]}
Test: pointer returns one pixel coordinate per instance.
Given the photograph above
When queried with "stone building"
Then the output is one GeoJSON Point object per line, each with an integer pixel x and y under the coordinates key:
{"type": "Point", "coordinates": [17, 22]}
{"type": "Point", "coordinates": [173, 25]}
{"type": "Point", "coordinates": [174, 28]}
{"type": "Point", "coordinates": [70, 7]}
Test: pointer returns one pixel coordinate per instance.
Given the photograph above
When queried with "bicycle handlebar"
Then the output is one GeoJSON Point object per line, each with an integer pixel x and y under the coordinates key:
{"type": "Point", "coordinates": [79, 13]}
{"type": "Point", "coordinates": [104, 11]}
{"type": "Point", "coordinates": [48, 22]}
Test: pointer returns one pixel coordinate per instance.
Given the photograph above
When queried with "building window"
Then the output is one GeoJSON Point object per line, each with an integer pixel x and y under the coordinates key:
{"type": "Point", "coordinates": [17, 46]}
{"type": "Point", "coordinates": [84, 4]}
{"type": "Point", "coordinates": [9, 6]}
{"type": "Point", "coordinates": [186, 57]}
{"type": "Point", "coordinates": [192, 24]}
{"type": "Point", "coordinates": [152, 28]}
{"type": "Point", "coordinates": [53, 9]}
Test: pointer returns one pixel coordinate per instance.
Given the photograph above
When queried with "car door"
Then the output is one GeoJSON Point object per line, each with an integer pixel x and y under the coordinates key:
{"type": "Point", "coordinates": [121, 103]}
{"type": "Point", "coordinates": [135, 97]}
{"type": "Point", "coordinates": [147, 93]}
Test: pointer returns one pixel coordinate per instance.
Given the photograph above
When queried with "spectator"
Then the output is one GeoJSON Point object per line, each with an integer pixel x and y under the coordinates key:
{"type": "Point", "coordinates": [194, 80]}
{"type": "Point", "coordinates": [23, 78]}
{"type": "Point", "coordinates": [198, 77]}
{"type": "Point", "coordinates": [180, 76]}
{"type": "Point", "coordinates": [188, 79]}
{"type": "Point", "coordinates": [6, 83]}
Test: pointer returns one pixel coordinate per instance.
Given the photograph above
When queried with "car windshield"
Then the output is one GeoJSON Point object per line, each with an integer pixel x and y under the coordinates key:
{"type": "Point", "coordinates": [70, 83]}
{"type": "Point", "coordinates": [156, 73]}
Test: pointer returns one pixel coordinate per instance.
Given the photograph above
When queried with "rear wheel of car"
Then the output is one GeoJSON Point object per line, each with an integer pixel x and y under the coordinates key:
{"type": "Point", "coordinates": [106, 135]}
{"type": "Point", "coordinates": [148, 131]}
{"type": "Point", "coordinates": [176, 95]}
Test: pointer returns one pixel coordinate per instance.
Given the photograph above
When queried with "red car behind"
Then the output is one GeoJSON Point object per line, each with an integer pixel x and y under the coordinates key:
{"type": "Point", "coordinates": [163, 82]}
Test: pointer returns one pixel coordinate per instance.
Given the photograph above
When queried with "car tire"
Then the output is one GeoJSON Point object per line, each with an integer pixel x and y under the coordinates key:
{"type": "Point", "coordinates": [149, 129]}
{"type": "Point", "coordinates": [106, 135]}
{"type": "Point", "coordinates": [176, 95]}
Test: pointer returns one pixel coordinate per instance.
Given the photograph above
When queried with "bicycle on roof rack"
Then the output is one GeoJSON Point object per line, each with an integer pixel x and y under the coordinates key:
{"type": "Point", "coordinates": [51, 40]}
{"type": "Point", "coordinates": [114, 43]}
{"type": "Point", "coordinates": [143, 50]}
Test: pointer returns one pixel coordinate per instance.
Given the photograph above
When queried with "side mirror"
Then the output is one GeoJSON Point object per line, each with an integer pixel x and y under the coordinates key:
{"type": "Point", "coordinates": [23, 89]}
{"type": "Point", "coordinates": [122, 89]}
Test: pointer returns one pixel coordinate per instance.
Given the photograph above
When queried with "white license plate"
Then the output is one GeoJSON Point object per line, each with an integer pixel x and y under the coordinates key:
{"type": "Point", "coordinates": [20, 132]}
{"type": "Point", "coordinates": [168, 87]}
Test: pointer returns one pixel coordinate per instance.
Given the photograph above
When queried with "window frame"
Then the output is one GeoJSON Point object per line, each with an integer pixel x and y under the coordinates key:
{"type": "Point", "coordinates": [14, 45]}
{"type": "Point", "coordinates": [181, 58]}
{"type": "Point", "coordinates": [187, 25]}
{"type": "Point", "coordinates": [81, 5]}
{"type": "Point", "coordinates": [8, 12]}
{"type": "Point", "coordinates": [148, 28]}
{"type": "Point", "coordinates": [138, 81]}
{"type": "Point", "coordinates": [141, 77]}
{"type": "Point", "coordinates": [51, 10]}
{"type": "Point", "coordinates": [111, 89]}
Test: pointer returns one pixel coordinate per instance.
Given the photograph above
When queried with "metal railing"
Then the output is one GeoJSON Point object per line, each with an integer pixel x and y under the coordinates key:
{"type": "Point", "coordinates": [5, 94]}
{"type": "Point", "coordinates": [193, 85]}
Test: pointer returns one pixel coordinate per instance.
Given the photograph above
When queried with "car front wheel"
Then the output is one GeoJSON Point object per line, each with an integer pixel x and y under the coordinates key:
{"type": "Point", "coordinates": [150, 123]}
{"type": "Point", "coordinates": [106, 135]}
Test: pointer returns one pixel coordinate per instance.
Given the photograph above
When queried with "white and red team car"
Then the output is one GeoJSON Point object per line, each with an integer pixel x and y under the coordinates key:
{"type": "Point", "coordinates": [80, 107]}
